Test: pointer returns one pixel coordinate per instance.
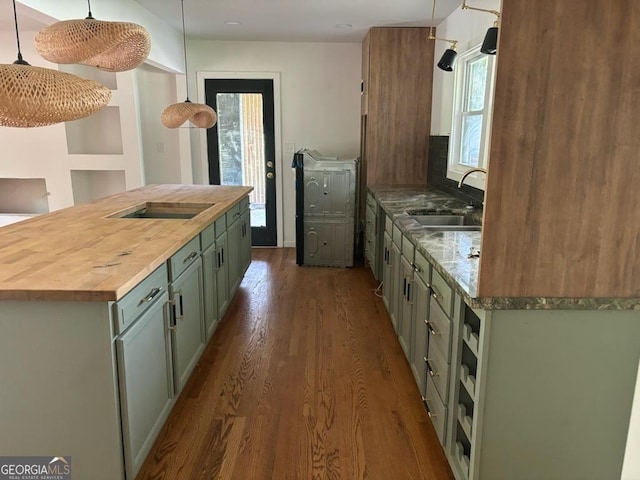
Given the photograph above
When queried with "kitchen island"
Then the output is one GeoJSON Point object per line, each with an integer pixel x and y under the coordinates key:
{"type": "Point", "coordinates": [517, 387]}
{"type": "Point", "coordinates": [105, 309]}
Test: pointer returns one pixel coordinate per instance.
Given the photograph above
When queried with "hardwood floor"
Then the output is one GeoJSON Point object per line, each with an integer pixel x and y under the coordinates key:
{"type": "Point", "coordinates": [304, 379]}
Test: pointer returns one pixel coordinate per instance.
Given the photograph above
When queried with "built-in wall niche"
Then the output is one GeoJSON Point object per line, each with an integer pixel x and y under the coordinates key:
{"type": "Point", "coordinates": [108, 79]}
{"type": "Point", "coordinates": [90, 185]}
{"type": "Point", "coordinates": [23, 195]}
{"type": "Point", "coordinates": [97, 134]}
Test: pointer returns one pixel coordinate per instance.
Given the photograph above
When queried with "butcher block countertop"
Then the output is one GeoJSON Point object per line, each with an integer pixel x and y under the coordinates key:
{"type": "Point", "coordinates": [83, 253]}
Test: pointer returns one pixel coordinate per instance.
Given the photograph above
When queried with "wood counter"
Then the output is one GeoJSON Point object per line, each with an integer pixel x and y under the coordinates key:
{"type": "Point", "coordinates": [83, 254]}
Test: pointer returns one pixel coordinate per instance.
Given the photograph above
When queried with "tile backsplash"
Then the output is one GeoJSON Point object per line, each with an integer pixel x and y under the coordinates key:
{"type": "Point", "coordinates": [437, 172]}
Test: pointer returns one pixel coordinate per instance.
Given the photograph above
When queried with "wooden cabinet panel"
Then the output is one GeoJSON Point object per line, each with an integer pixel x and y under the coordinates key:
{"type": "Point", "coordinates": [397, 105]}
{"type": "Point", "coordinates": [563, 159]}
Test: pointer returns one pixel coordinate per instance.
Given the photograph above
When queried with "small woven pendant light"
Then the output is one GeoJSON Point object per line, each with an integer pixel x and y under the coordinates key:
{"type": "Point", "coordinates": [110, 46]}
{"type": "Point", "coordinates": [35, 96]}
{"type": "Point", "coordinates": [201, 115]}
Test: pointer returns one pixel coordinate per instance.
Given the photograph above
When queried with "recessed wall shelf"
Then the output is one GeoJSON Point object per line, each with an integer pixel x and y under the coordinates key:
{"type": "Point", "coordinates": [23, 195]}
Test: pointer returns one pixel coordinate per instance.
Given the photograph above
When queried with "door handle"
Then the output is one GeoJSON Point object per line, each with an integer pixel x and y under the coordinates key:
{"type": "Point", "coordinates": [269, 175]}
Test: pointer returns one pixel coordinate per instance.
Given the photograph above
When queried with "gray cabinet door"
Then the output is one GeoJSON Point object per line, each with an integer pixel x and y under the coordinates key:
{"type": "Point", "coordinates": [245, 242]}
{"type": "Point", "coordinates": [388, 286]}
{"type": "Point", "coordinates": [396, 278]}
{"type": "Point", "coordinates": [406, 310]}
{"type": "Point", "coordinates": [419, 348]}
{"type": "Point", "coordinates": [234, 231]}
{"type": "Point", "coordinates": [210, 293]}
{"type": "Point", "coordinates": [146, 382]}
{"type": "Point", "coordinates": [188, 319]}
{"type": "Point", "coordinates": [222, 280]}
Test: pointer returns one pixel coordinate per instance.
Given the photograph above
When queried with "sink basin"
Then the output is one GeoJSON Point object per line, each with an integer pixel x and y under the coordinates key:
{"type": "Point", "coordinates": [178, 211]}
{"type": "Point", "coordinates": [443, 223]}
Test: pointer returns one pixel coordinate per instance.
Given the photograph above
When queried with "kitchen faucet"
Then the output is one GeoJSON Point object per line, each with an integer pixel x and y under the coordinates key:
{"type": "Point", "coordinates": [468, 172]}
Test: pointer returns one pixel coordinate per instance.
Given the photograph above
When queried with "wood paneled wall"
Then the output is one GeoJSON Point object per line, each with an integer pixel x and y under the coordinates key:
{"type": "Point", "coordinates": [562, 202]}
{"type": "Point", "coordinates": [398, 104]}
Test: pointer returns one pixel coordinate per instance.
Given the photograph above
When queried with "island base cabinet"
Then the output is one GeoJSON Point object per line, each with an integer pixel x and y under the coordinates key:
{"type": "Point", "coordinates": [209, 267]}
{"type": "Point", "coordinates": [187, 329]}
{"type": "Point", "coordinates": [146, 382]}
{"type": "Point", "coordinates": [222, 275]}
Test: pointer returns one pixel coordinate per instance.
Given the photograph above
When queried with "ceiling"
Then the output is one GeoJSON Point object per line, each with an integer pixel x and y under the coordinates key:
{"type": "Point", "coordinates": [295, 20]}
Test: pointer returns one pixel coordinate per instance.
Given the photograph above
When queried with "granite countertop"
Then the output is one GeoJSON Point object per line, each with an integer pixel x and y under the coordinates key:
{"type": "Point", "coordinates": [448, 251]}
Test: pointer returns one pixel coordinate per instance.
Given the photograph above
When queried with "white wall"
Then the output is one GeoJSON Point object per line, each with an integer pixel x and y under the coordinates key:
{"type": "Point", "coordinates": [320, 99]}
{"type": "Point", "coordinates": [469, 28]}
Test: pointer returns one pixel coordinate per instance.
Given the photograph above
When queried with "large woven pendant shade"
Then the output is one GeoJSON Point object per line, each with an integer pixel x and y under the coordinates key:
{"type": "Point", "coordinates": [202, 116]}
{"type": "Point", "coordinates": [35, 96]}
{"type": "Point", "coordinates": [110, 46]}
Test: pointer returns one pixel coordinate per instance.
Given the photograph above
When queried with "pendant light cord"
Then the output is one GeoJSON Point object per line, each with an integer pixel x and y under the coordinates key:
{"type": "Point", "coordinates": [184, 46]}
{"type": "Point", "coordinates": [90, 16]}
{"type": "Point", "coordinates": [19, 61]}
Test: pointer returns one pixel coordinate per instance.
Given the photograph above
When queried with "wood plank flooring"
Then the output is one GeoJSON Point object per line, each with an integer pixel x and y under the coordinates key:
{"type": "Point", "coordinates": [304, 379]}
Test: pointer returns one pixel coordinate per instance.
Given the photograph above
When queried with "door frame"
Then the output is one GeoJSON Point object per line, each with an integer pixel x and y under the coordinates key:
{"type": "Point", "coordinates": [277, 120]}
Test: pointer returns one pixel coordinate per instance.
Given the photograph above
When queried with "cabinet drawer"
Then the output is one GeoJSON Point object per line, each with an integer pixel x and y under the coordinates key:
{"type": "Point", "coordinates": [422, 267]}
{"type": "Point", "coordinates": [407, 249]}
{"type": "Point", "coordinates": [233, 214]}
{"type": "Point", "coordinates": [141, 297]}
{"type": "Point", "coordinates": [442, 293]}
{"type": "Point", "coordinates": [208, 236]}
{"type": "Point", "coordinates": [438, 370]}
{"type": "Point", "coordinates": [388, 224]}
{"type": "Point", "coordinates": [371, 220]}
{"type": "Point", "coordinates": [221, 225]}
{"type": "Point", "coordinates": [397, 236]}
{"type": "Point", "coordinates": [184, 257]}
{"type": "Point", "coordinates": [244, 204]}
{"type": "Point", "coordinates": [437, 410]}
{"type": "Point", "coordinates": [439, 327]}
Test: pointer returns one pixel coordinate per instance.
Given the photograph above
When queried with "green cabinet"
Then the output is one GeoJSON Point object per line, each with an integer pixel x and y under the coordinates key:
{"type": "Point", "coordinates": [388, 286]}
{"type": "Point", "coordinates": [405, 321]}
{"type": "Point", "coordinates": [245, 241]}
{"type": "Point", "coordinates": [145, 381]}
{"type": "Point", "coordinates": [222, 276]}
{"type": "Point", "coordinates": [234, 232]}
{"type": "Point", "coordinates": [419, 340]}
{"type": "Point", "coordinates": [188, 337]}
{"type": "Point", "coordinates": [210, 292]}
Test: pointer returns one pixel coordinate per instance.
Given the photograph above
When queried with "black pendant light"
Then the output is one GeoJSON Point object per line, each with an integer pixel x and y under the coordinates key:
{"type": "Point", "coordinates": [490, 42]}
{"type": "Point", "coordinates": [448, 59]}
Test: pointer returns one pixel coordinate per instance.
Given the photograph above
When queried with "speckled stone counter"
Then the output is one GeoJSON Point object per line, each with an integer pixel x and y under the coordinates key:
{"type": "Point", "coordinates": [449, 251]}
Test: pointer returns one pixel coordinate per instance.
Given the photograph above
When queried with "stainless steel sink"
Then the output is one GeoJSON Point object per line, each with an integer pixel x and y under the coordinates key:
{"type": "Point", "coordinates": [445, 222]}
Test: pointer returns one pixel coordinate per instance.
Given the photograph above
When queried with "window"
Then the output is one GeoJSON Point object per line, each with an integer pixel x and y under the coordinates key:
{"type": "Point", "coordinates": [473, 101]}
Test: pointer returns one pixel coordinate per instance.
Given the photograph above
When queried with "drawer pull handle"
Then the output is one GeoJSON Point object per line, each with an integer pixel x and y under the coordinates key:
{"type": "Point", "coordinates": [431, 329]}
{"type": "Point", "coordinates": [431, 415]}
{"type": "Point", "coordinates": [435, 293]}
{"type": "Point", "coordinates": [152, 294]}
{"type": "Point", "coordinates": [416, 268]}
{"type": "Point", "coordinates": [429, 369]}
{"type": "Point", "coordinates": [191, 256]}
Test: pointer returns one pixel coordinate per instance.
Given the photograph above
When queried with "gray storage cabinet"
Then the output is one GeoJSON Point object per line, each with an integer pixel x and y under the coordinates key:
{"type": "Point", "coordinates": [325, 209]}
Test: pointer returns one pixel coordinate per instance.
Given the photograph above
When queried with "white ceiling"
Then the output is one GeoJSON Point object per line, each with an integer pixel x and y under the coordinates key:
{"type": "Point", "coordinates": [277, 20]}
{"type": "Point", "coordinates": [295, 20]}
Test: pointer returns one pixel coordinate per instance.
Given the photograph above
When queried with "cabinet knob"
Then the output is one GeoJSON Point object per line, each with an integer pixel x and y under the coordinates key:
{"type": "Point", "coordinates": [269, 175]}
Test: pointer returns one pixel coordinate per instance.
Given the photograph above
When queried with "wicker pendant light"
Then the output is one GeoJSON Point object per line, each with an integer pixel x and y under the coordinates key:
{"type": "Point", "coordinates": [110, 46]}
{"type": "Point", "coordinates": [35, 96]}
{"type": "Point", "coordinates": [201, 115]}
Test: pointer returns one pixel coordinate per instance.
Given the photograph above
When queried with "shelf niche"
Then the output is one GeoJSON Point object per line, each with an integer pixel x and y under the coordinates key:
{"type": "Point", "coordinates": [90, 185]}
{"type": "Point", "coordinates": [23, 195]}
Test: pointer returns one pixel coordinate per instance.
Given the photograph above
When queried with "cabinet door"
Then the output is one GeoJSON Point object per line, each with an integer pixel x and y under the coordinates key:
{"type": "Point", "coordinates": [245, 243]}
{"type": "Point", "coordinates": [188, 335]}
{"type": "Point", "coordinates": [396, 278]}
{"type": "Point", "coordinates": [222, 281]}
{"type": "Point", "coordinates": [146, 382]}
{"type": "Point", "coordinates": [233, 265]}
{"type": "Point", "coordinates": [210, 293]}
{"type": "Point", "coordinates": [406, 310]}
{"type": "Point", "coordinates": [419, 348]}
{"type": "Point", "coordinates": [388, 286]}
